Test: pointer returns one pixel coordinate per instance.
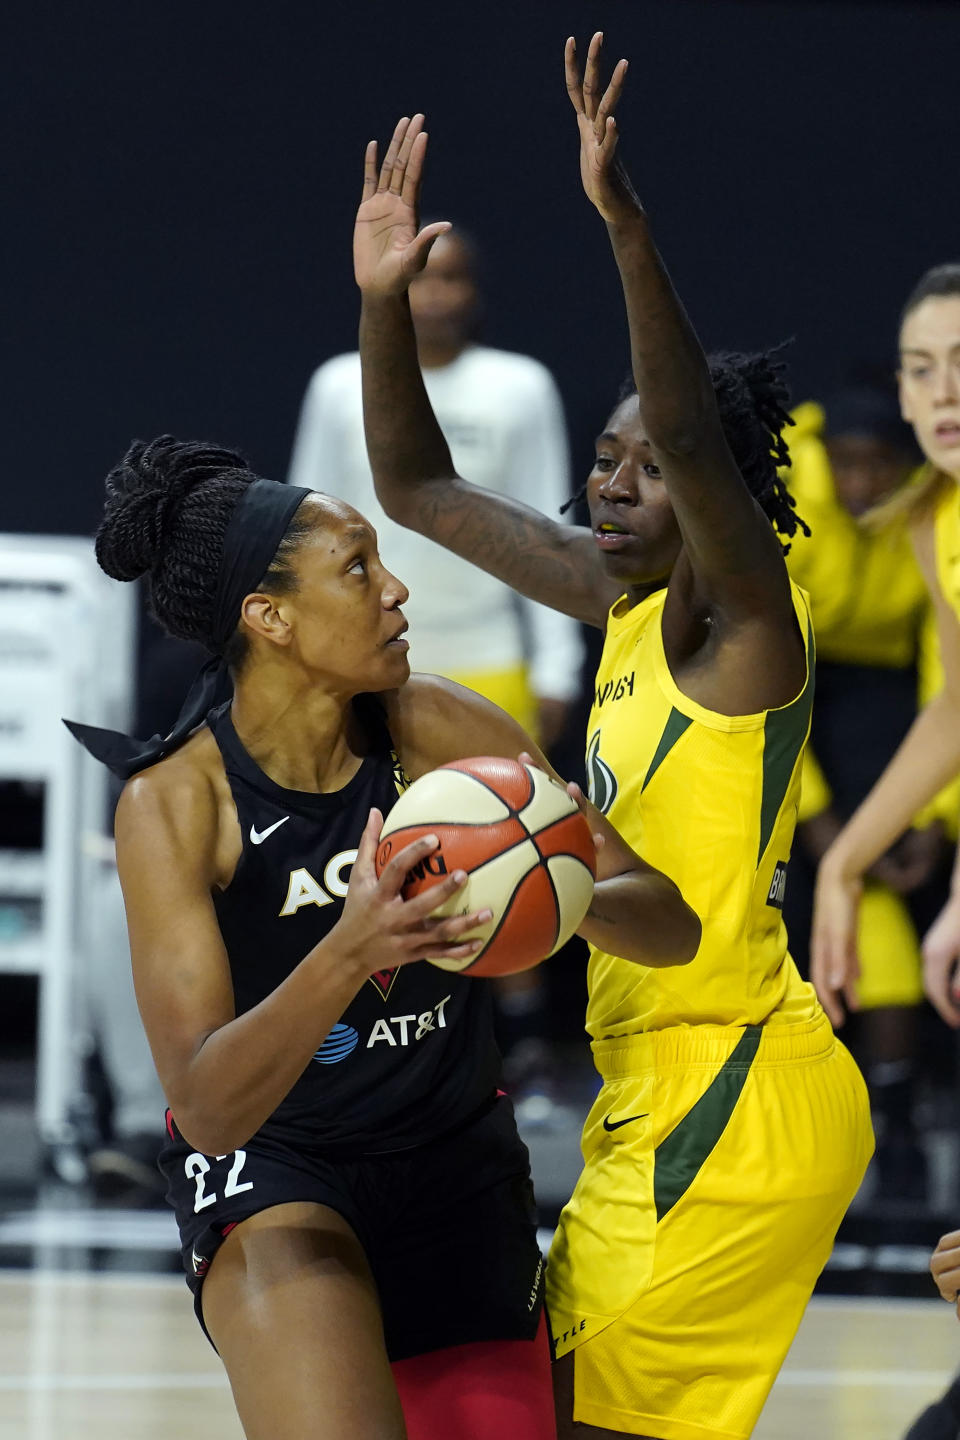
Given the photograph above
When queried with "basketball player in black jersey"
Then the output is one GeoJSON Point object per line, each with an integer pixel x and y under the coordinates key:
{"type": "Point", "coordinates": [350, 1187]}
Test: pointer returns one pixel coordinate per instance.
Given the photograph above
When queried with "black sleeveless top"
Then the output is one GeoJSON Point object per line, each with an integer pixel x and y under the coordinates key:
{"type": "Point", "coordinates": [413, 1055]}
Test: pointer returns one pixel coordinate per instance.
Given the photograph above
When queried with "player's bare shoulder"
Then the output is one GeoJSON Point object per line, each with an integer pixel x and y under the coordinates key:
{"type": "Point", "coordinates": [182, 810]}
{"type": "Point", "coordinates": [433, 721]}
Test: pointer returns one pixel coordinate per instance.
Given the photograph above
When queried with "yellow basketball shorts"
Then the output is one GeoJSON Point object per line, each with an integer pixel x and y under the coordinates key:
{"type": "Point", "coordinates": [891, 965]}
{"type": "Point", "coordinates": [718, 1164]}
{"type": "Point", "coordinates": [510, 689]}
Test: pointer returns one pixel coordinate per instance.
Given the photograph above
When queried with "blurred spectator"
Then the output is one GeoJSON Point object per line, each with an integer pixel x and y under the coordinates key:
{"type": "Point", "coordinates": [877, 661]}
{"type": "Point", "coordinates": [503, 419]}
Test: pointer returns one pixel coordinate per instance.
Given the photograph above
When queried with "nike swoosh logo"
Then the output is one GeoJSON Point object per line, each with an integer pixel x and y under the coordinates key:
{"type": "Point", "coordinates": [257, 837]}
{"type": "Point", "coordinates": [609, 1124]}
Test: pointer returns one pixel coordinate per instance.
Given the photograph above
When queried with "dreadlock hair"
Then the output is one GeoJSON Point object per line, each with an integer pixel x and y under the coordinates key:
{"type": "Point", "coordinates": [168, 506]}
{"type": "Point", "coordinates": [752, 399]}
{"type": "Point", "coordinates": [922, 492]}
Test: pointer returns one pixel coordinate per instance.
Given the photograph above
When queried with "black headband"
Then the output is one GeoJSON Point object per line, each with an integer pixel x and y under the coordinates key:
{"type": "Point", "coordinates": [256, 527]}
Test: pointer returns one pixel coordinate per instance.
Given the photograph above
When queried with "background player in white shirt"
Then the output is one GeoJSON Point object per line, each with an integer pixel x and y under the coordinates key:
{"type": "Point", "coordinates": [502, 417]}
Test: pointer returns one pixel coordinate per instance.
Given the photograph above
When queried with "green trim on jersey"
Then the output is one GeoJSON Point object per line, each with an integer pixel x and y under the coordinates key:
{"type": "Point", "coordinates": [674, 728]}
{"type": "Point", "coordinates": [784, 733]}
{"type": "Point", "coordinates": [679, 1158]}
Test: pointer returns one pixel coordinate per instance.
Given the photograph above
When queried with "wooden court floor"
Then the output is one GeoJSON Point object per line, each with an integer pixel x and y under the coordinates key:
{"type": "Point", "coordinates": [88, 1357]}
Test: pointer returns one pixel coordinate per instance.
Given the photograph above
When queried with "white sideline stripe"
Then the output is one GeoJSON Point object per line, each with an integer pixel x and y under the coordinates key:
{"type": "Point", "coordinates": [159, 1381]}
{"type": "Point", "coordinates": [867, 1379]}
{"type": "Point", "coordinates": [112, 1229]}
{"type": "Point", "coordinates": [187, 1380]}
{"type": "Point", "coordinates": [36, 1278]}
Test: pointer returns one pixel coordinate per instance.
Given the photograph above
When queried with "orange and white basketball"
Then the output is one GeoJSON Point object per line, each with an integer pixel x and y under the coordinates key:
{"type": "Point", "coordinates": [524, 844]}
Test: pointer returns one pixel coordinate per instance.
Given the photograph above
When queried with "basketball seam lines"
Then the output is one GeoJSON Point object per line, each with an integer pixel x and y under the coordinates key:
{"type": "Point", "coordinates": [500, 923]}
{"type": "Point", "coordinates": [515, 814]}
{"type": "Point", "coordinates": [557, 914]}
{"type": "Point", "coordinates": [543, 861]}
{"type": "Point", "coordinates": [553, 890]}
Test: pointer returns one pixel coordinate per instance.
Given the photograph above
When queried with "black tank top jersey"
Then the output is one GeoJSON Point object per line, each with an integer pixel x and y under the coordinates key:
{"type": "Point", "coordinates": [413, 1055]}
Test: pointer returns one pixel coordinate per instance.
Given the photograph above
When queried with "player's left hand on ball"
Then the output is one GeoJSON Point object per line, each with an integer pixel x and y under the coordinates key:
{"type": "Point", "coordinates": [379, 929]}
{"type": "Point", "coordinates": [388, 249]}
{"type": "Point", "coordinates": [945, 1268]}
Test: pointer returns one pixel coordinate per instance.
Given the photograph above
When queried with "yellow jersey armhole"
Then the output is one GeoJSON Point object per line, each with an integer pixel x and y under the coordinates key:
{"type": "Point", "coordinates": [733, 724]}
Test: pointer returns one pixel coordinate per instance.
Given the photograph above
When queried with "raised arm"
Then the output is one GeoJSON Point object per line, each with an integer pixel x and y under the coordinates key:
{"type": "Point", "coordinates": [413, 472]}
{"type": "Point", "coordinates": [737, 566]}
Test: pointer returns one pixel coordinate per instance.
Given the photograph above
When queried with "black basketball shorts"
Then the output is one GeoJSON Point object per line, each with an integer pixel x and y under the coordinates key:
{"type": "Point", "coordinates": [449, 1228]}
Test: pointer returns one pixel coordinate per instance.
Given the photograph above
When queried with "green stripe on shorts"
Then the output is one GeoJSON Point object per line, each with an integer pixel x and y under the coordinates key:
{"type": "Point", "coordinates": [678, 1158]}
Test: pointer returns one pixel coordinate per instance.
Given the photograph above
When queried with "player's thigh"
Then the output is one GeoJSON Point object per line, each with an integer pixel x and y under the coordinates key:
{"type": "Point", "coordinates": [489, 1388]}
{"type": "Point", "coordinates": [292, 1308]}
{"type": "Point", "coordinates": [567, 1427]}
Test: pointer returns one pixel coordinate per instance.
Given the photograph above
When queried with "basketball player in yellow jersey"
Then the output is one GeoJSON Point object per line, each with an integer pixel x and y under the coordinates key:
{"type": "Point", "coordinates": [732, 1129]}
{"type": "Point", "coordinates": [930, 753]}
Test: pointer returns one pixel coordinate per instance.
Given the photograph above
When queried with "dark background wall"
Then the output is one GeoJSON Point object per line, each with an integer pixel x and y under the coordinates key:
{"type": "Point", "coordinates": [181, 180]}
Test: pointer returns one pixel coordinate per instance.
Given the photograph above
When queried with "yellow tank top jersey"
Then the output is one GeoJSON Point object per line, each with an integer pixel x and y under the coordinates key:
{"type": "Point", "coordinates": [712, 801]}
{"type": "Point", "coordinates": [946, 529]}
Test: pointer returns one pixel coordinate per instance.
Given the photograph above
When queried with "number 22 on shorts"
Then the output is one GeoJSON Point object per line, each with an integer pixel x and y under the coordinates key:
{"type": "Point", "coordinates": [197, 1167]}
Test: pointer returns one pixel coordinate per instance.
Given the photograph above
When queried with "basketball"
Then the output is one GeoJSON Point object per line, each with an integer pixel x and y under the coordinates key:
{"type": "Point", "coordinates": [524, 844]}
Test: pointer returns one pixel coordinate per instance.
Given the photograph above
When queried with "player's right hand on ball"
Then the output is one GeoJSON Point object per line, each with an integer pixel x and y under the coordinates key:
{"type": "Point", "coordinates": [379, 929]}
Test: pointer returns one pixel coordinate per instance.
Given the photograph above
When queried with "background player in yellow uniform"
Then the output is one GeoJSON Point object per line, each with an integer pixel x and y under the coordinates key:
{"type": "Point", "coordinates": [877, 655]}
{"type": "Point", "coordinates": [930, 754]}
{"type": "Point", "coordinates": [731, 1130]}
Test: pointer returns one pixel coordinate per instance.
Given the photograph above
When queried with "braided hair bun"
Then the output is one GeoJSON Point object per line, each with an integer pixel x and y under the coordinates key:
{"type": "Point", "coordinates": [145, 494]}
{"type": "Point", "coordinates": [168, 505]}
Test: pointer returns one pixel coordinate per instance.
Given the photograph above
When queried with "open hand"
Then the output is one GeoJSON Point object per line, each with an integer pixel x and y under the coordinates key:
{"type": "Point", "coordinates": [379, 929]}
{"type": "Point", "coordinates": [388, 250]}
{"type": "Point", "coordinates": [604, 179]}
